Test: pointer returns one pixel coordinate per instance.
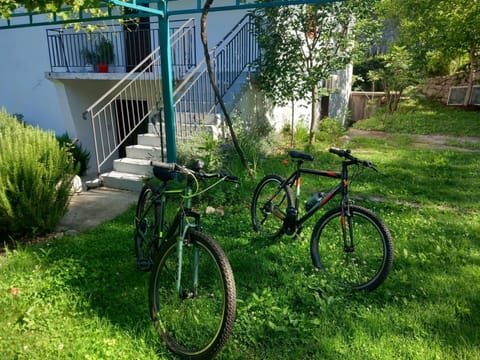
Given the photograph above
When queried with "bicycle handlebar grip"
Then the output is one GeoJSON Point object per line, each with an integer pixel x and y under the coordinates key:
{"type": "Point", "coordinates": [341, 153]}
{"type": "Point", "coordinates": [163, 165]}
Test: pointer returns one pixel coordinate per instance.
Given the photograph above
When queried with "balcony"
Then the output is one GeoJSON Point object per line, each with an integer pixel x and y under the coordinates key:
{"type": "Point", "coordinates": [80, 54]}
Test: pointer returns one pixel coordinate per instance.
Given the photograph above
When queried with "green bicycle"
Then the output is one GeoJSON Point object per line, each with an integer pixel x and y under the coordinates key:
{"type": "Point", "coordinates": [192, 295]}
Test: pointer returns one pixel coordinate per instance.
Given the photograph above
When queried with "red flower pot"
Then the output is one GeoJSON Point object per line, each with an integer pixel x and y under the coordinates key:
{"type": "Point", "coordinates": [102, 68]}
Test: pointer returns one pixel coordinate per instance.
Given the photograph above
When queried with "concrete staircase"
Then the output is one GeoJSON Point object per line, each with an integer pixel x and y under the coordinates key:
{"type": "Point", "coordinates": [129, 172]}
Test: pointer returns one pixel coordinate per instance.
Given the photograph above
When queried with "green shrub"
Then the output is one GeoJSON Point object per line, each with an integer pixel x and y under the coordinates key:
{"type": "Point", "coordinates": [81, 157]}
{"type": "Point", "coordinates": [329, 130]}
{"type": "Point", "coordinates": [35, 179]}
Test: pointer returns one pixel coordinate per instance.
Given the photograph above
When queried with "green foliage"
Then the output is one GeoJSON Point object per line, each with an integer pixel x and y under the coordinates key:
{"type": "Point", "coordinates": [396, 74]}
{"type": "Point", "coordinates": [89, 56]}
{"type": "Point", "coordinates": [329, 131]}
{"type": "Point", "coordinates": [302, 45]}
{"type": "Point", "coordinates": [80, 155]}
{"type": "Point", "coordinates": [104, 51]}
{"type": "Point", "coordinates": [434, 30]}
{"type": "Point", "coordinates": [35, 181]}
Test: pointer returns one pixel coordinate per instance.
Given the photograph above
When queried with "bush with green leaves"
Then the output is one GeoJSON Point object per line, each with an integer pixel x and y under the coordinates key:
{"type": "Point", "coordinates": [81, 156]}
{"type": "Point", "coordinates": [36, 179]}
{"type": "Point", "coordinates": [330, 130]}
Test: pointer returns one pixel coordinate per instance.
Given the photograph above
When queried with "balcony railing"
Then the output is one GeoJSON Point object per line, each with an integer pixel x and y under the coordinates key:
{"type": "Point", "coordinates": [76, 51]}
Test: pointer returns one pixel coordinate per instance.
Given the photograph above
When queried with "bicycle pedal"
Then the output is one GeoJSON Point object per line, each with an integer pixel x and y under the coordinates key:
{"type": "Point", "coordinates": [144, 265]}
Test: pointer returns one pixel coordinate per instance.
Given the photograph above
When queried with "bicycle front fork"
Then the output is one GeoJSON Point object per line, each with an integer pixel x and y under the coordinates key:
{"type": "Point", "coordinates": [347, 231]}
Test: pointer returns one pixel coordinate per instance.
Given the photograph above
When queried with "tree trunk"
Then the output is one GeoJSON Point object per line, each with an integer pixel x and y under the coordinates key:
{"type": "Point", "coordinates": [228, 120]}
{"type": "Point", "coordinates": [313, 120]}
{"type": "Point", "coordinates": [468, 95]}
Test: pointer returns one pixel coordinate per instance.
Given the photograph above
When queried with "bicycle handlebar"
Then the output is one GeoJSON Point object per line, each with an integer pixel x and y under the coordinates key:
{"type": "Point", "coordinates": [347, 155]}
{"type": "Point", "coordinates": [174, 167]}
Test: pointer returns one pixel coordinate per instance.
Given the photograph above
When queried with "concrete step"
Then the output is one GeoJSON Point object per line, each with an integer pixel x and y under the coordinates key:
{"type": "Point", "coordinates": [134, 166]}
{"type": "Point", "coordinates": [148, 140]}
{"type": "Point", "coordinates": [143, 152]}
{"type": "Point", "coordinates": [121, 180]}
{"type": "Point", "coordinates": [156, 128]}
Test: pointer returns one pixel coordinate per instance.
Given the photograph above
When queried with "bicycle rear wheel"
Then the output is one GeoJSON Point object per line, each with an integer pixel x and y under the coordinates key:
{"type": "Point", "coordinates": [269, 206]}
{"type": "Point", "coordinates": [146, 228]}
{"type": "Point", "coordinates": [365, 260]}
{"type": "Point", "coordinates": [196, 320]}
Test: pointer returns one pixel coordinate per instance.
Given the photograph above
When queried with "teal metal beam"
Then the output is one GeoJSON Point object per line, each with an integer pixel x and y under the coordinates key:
{"type": "Point", "coordinates": [37, 18]}
{"type": "Point", "coordinates": [140, 7]}
{"type": "Point", "coordinates": [238, 5]}
{"type": "Point", "coordinates": [167, 85]}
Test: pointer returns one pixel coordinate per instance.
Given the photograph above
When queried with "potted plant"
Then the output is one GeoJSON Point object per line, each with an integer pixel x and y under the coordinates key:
{"type": "Point", "coordinates": [104, 54]}
{"type": "Point", "coordinates": [90, 59]}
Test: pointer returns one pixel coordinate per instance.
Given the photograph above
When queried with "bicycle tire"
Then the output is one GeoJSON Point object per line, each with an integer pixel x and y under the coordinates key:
{"type": "Point", "coordinates": [364, 266]}
{"type": "Point", "coordinates": [194, 324]}
{"type": "Point", "coordinates": [269, 206]}
{"type": "Point", "coordinates": [146, 228]}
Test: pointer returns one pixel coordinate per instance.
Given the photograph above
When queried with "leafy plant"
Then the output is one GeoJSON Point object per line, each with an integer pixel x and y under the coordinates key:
{"type": "Point", "coordinates": [80, 156]}
{"type": "Point", "coordinates": [104, 50]}
{"type": "Point", "coordinates": [89, 56]}
{"type": "Point", "coordinates": [35, 181]}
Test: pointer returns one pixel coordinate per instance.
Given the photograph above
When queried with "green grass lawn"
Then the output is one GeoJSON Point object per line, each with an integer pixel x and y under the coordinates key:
{"type": "Point", "coordinates": [81, 298]}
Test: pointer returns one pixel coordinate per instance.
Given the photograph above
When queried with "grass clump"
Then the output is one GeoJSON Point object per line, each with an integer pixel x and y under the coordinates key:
{"type": "Point", "coordinates": [35, 182]}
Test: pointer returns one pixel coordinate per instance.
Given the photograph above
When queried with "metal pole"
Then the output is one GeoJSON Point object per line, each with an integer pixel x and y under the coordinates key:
{"type": "Point", "coordinates": [167, 83]}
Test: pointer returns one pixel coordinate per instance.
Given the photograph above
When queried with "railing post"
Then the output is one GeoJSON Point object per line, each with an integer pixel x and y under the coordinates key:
{"type": "Point", "coordinates": [167, 84]}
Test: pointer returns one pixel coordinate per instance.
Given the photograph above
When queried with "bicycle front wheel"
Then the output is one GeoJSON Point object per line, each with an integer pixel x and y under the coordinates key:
{"type": "Point", "coordinates": [361, 260]}
{"type": "Point", "coordinates": [269, 206]}
{"type": "Point", "coordinates": [146, 228]}
{"type": "Point", "coordinates": [193, 309]}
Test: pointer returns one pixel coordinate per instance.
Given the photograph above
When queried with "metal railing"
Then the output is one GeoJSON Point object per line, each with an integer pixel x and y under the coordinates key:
{"type": "Point", "coordinates": [135, 98]}
{"type": "Point", "coordinates": [194, 97]}
{"type": "Point", "coordinates": [74, 51]}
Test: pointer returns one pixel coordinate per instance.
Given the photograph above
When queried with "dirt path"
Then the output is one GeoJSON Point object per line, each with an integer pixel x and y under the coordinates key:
{"type": "Point", "coordinates": [432, 141]}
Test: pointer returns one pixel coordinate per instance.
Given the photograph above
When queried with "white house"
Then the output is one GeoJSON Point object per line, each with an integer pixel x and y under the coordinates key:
{"type": "Point", "coordinates": [55, 96]}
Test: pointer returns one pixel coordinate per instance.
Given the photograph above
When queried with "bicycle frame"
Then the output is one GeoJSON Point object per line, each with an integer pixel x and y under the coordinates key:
{"type": "Point", "coordinates": [180, 223]}
{"type": "Point", "coordinates": [294, 181]}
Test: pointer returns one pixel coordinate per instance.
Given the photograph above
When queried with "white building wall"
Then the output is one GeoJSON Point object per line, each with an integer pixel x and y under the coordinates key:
{"type": "Point", "coordinates": [23, 86]}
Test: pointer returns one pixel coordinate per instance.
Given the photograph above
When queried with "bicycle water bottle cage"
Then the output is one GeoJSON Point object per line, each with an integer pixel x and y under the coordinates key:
{"type": "Point", "coordinates": [163, 174]}
{"type": "Point", "coordinates": [300, 155]}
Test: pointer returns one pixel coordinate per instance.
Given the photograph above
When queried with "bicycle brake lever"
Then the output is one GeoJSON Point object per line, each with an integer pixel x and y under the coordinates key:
{"type": "Point", "coordinates": [369, 164]}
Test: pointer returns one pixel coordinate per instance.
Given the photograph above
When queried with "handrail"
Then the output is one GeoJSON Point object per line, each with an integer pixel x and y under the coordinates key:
{"type": "Point", "coordinates": [239, 45]}
{"type": "Point", "coordinates": [118, 113]}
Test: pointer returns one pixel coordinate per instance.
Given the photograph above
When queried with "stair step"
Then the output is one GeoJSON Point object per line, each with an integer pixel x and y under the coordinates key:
{"type": "Point", "coordinates": [143, 152]}
{"type": "Point", "coordinates": [134, 166]}
{"type": "Point", "coordinates": [121, 180]}
{"type": "Point", "coordinates": [148, 140]}
{"type": "Point", "coordinates": [155, 128]}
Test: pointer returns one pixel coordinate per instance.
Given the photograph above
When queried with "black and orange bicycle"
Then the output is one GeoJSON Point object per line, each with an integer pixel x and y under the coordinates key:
{"type": "Point", "coordinates": [349, 242]}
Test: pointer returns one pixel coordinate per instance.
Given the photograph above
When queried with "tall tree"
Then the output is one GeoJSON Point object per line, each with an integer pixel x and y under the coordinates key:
{"type": "Point", "coordinates": [432, 29]}
{"type": "Point", "coordinates": [302, 45]}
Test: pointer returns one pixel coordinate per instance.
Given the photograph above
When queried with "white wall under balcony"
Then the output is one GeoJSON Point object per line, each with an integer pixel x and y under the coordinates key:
{"type": "Point", "coordinates": [23, 86]}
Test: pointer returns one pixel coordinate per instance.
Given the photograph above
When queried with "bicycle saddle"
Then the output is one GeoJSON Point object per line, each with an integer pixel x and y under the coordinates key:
{"type": "Point", "coordinates": [300, 155]}
{"type": "Point", "coordinates": [163, 174]}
